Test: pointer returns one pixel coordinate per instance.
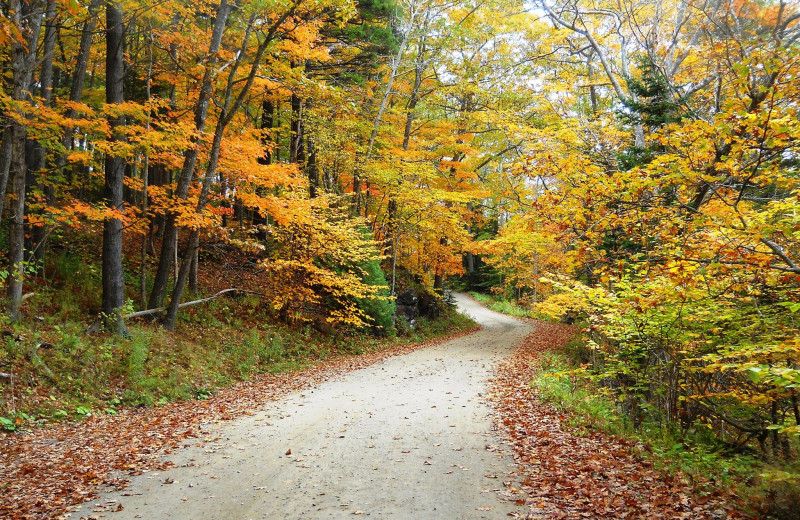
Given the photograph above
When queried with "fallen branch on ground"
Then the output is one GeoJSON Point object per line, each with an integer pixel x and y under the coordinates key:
{"type": "Point", "coordinates": [98, 323]}
{"type": "Point", "coordinates": [223, 292]}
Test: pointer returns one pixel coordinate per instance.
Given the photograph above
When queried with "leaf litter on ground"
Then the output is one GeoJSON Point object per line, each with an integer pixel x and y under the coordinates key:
{"type": "Point", "coordinates": [591, 475]}
{"type": "Point", "coordinates": [46, 471]}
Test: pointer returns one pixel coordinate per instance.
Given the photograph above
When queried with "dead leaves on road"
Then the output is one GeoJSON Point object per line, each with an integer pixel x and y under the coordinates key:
{"type": "Point", "coordinates": [587, 476]}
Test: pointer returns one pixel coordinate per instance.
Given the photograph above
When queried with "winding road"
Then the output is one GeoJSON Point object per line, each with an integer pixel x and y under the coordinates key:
{"type": "Point", "coordinates": [408, 438]}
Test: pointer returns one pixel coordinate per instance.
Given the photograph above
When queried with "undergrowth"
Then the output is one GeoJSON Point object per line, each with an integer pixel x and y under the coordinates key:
{"type": "Point", "coordinates": [770, 491]}
{"type": "Point", "coordinates": [502, 305]}
{"type": "Point", "coordinates": [56, 372]}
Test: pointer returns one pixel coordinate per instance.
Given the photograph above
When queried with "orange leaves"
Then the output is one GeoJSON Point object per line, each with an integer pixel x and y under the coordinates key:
{"type": "Point", "coordinates": [76, 213]}
{"type": "Point", "coordinates": [9, 32]}
{"type": "Point", "coordinates": [316, 263]}
{"type": "Point", "coordinates": [239, 162]}
{"type": "Point", "coordinates": [572, 474]}
{"type": "Point", "coordinates": [83, 157]}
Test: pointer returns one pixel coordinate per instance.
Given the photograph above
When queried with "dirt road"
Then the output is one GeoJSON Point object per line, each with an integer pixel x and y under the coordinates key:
{"type": "Point", "coordinates": [408, 438]}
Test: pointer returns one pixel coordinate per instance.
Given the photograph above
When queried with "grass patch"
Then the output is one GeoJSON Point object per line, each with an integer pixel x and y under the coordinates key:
{"type": "Point", "coordinates": [72, 375]}
{"type": "Point", "coordinates": [501, 305]}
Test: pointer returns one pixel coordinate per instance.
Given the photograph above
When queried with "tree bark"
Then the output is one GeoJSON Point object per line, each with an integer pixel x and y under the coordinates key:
{"type": "Point", "coordinates": [193, 271]}
{"type": "Point", "coordinates": [112, 272]}
{"type": "Point", "coordinates": [312, 169]}
{"type": "Point", "coordinates": [38, 234]}
{"type": "Point", "coordinates": [26, 16]}
{"type": "Point", "coordinates": [296, 141]}
{"type": "Point", "coordinates": [6, 147]}
{"type": "Point", "coordinates": [46, 80]}
{"type": "Point", "coordinates": [267, 123]}
{"type": "Point", "coordinates": [470, 256]}
{"type": "Point", "coordinates": [145, 181]}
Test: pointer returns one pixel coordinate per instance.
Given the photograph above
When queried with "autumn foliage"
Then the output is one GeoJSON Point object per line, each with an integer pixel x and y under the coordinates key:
{"type": "Point", "coordinates": [665, 184]}
{"type": "Point", "coordinates": [629, 166]}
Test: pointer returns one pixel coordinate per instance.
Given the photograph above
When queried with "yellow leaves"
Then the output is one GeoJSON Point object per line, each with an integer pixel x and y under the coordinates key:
{"type": "Point", "coordinates": [679, 267]}
{"type": "Point", "coordinates": [135, 111]}
{"type": "Point", "coordinates": [316, 264]}
{"type": "Point", "coordinates": [83, 157]}
{"type": "Point", "coordinates": [187, 215]}
{"type": "Point", "coordinates": [559, 305]}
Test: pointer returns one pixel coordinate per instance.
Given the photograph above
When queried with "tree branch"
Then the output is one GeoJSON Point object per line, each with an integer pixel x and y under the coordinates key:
{"type": "Point", "coordinates": [150, 312]}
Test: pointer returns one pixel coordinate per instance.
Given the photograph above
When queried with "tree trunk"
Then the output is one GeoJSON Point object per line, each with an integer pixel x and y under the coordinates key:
{"type": "Point", "coordinates": [113, 275]}
{"type": "Point", "coordinates": [296, 142]}
{"type": "Point", "coordinates": [419, 70]}
{"type": "Point", "coordinates": [312, 169]}
{"type": "Point", "coordinates": [25, 15]}
{"type": "Point", "coordinates": [193, 271]}
{"type": "Point", "coordinates": [79, 75]}
{"type": "Point", "coordinates": [438, 282]}
{"type": "Point", "coordinates": [470, 257]}
{"type": "Point", "coordinates": [194, 236]}
{"type": "Point", "coordinates": [5, 165]}
{"type": "Point", "coordinates": [16, 232]}
{"type": "Point", "coordinates": [438, 277]}
{"type": "Point", "coordinates": [169, 236]}
{"type": "Point", "coordinates": [169, 241]}
{"type": "Point", "coordinates": [38, 233]}
{"type": "Point", "coordinates": [145, 183]}
{"type": "Point", "coordinates": [46, 80]}
{"type": "Point", "coordinates": [267, 123]}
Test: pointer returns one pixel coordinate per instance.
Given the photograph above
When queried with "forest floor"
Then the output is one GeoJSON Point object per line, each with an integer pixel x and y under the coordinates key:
{"type": "Point", "coordinates": [450, 430]}
{"type": "Point", "coordinates": [579, 471]}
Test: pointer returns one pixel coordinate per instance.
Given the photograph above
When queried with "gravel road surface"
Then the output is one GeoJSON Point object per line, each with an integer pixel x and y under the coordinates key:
{"type": "Point", "coordinates": [407, 438]}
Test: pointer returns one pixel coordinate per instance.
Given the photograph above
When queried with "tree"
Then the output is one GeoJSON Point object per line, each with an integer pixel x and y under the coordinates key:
{"type": "Point", "coordinates": [27, 21]}
{"type": "Point", "coordinates": [683, 252]}
{"type": "Point", "coordinates": [113, 274]}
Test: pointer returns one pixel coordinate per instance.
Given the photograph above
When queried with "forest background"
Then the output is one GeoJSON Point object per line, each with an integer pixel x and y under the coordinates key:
{"type": "Point", "coordinates": [631, 166]}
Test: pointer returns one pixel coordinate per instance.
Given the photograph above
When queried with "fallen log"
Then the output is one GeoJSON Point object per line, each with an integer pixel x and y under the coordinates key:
{"type": "Point", "coordinates": [97, 325]}
{"type": "Point", "coordinates": [150, 312]}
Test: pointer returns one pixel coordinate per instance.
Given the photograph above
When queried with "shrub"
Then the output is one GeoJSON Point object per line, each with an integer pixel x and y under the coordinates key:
{"type": "Point", "coordinates": [379, 308]}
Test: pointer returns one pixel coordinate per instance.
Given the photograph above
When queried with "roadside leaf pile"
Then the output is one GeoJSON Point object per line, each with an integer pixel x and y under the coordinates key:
{"type": "Point", "coordinates": [591, 475]}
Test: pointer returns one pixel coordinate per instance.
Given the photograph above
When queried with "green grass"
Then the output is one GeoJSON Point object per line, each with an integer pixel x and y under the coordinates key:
{"type": "Point", "coordinates": [215, 345]}
{"type": "Point", "coordinates": [501, 305]}
{"type": "Point", "coordinates": [770, 490]}
{"type": "Point", "coordinates": [60, 373]}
